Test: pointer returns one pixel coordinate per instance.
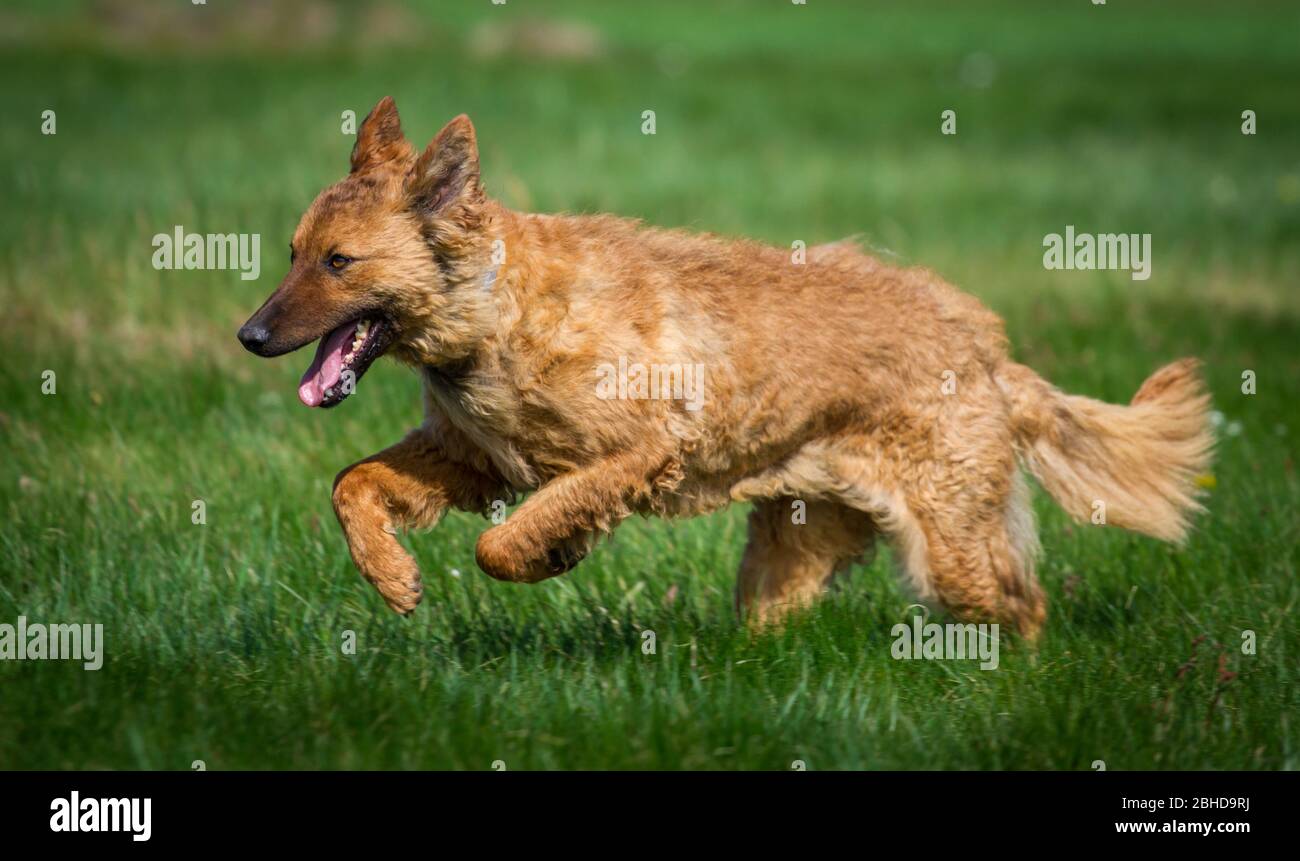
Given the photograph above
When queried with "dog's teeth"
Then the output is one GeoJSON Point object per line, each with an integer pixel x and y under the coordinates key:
{"type": "Point", "coordinates": [359, 338]}
{"type": "Point", "coordinates": [329, 393]}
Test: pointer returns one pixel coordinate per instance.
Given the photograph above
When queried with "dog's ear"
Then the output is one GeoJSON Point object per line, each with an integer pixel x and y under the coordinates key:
{"type": "Point", "coordinates": [379, 140]}
{"type": "Point", "coordinates": [447, 172]}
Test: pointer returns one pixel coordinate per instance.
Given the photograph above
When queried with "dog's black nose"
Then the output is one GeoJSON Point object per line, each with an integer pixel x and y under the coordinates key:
{"type": "Point", "coordinates": [254, 338]}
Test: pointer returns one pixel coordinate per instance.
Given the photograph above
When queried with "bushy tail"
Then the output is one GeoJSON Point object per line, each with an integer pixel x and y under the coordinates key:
{"type": "Point", "coordinates": [1140, 461]}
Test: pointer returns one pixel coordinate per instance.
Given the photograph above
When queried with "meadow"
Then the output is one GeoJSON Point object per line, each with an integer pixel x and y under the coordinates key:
{"type": "Point", "coordinates": [224, 641]}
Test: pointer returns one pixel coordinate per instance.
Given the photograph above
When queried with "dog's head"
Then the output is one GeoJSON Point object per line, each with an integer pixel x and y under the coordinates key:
{"type": "Point", "coordinates": [390, 259]}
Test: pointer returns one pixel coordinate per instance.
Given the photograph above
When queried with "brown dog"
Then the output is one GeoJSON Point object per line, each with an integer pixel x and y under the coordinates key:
{"type": "Point", "coordinates": [612, 368]}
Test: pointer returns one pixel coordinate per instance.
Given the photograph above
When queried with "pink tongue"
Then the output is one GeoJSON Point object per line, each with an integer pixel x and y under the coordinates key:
{"type": "Point", "coordinates": [327, 368]}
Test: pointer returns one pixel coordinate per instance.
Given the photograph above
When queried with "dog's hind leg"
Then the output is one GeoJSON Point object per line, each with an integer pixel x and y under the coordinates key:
{"type": "Point", "coordinates": [793, 553]}
{"type": "Point", "coordinates": [965, 542]}
{"type": "Point", "coordinates": [407, 485]}
{"type": "Point", "coordinates": [980, 561]}
{"type": "Point", "coordinates": [973, 557]}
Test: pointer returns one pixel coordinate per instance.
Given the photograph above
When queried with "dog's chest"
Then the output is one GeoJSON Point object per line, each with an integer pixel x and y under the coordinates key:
{"type": "Point", "coordinates": [480, 411]}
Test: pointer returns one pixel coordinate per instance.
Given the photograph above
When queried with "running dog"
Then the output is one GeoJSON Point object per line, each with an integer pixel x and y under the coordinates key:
{"type": "Point", "coordinates": [846, 399]}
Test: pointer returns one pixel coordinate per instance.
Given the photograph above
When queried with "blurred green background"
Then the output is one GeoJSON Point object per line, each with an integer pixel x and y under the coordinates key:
{"type": "Point", "coordinates": [774, 120]}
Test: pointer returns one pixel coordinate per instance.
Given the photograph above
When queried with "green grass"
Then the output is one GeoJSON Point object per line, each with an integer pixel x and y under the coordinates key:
{"type": "Point", "coordinates": [775, 121]}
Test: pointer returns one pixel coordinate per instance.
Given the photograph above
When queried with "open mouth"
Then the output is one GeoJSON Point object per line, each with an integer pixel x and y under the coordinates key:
{"type": "Point", "coordinates": [342, 357]}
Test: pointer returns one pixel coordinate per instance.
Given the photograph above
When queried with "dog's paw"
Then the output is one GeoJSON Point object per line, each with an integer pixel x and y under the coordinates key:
{"type": "Point", "coordinates": [565, 557]}
{"type": "Point", "coordinates": [500, 555]}
{"type": "Point", "coordinates": [405, 599]}
{"type": "Point", "coordinates": [497, 554]}
{"type": "Point", "coordinates": [398, 584]}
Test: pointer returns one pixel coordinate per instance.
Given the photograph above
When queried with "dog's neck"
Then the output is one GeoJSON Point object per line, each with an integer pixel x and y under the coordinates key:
{"type": "Point", "coordinates": [465, 359]}
{"type": "Point", "coordinates": [450, 377]}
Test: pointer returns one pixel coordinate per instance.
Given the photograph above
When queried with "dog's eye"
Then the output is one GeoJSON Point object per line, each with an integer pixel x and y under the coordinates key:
{"type": "Point", "coordinates": [338, 261]}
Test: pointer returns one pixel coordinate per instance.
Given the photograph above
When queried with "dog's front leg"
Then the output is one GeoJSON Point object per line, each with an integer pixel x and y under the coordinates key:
{"type": "Point", "coordinates": [552, 530]}
{"type": "Point", "coordinates": [407, 485]}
